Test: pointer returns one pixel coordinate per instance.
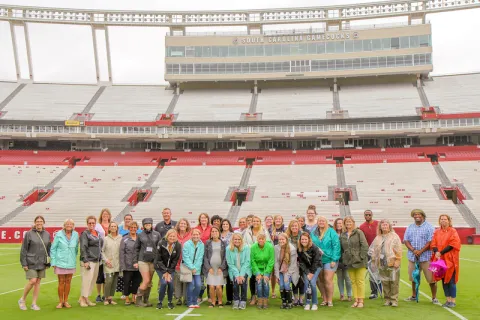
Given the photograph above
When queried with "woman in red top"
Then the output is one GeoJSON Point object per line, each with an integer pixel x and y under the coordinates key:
{"type": "Point", "coordinates": [184, 233]}
{"type": "Point", "coordinates": [446, 246]}
{"type": "Point", "coordinates": [204, 227]}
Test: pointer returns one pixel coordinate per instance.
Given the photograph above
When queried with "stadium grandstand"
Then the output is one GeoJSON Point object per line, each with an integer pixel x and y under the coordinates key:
{"type": "Point", "coordinates": [346, 117]}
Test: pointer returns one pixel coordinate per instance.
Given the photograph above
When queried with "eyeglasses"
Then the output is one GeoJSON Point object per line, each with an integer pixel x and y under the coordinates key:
{"type": "Point", "coordinates": [91, 223]}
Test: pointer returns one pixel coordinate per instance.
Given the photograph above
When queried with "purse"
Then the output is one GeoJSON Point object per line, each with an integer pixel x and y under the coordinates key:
{"type": "Point", "coordinates": [186, 274]}
{"type": "Point", "coordinates": [44, 247]}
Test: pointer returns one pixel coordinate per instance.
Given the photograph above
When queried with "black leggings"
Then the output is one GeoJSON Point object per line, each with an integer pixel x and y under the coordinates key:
{"type": "Point", "coordinates": [253, 285]}
{"type": "Point", "coordinates": [229, 289]}
{"type": "Point", "coordinates": [299, 289]}
{"type": "Point", "coordinates": [131, 282]}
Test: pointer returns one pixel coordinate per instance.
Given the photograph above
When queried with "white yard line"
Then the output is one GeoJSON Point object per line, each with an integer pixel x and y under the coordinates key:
{"type": "Point", "coordinates": [21, 289]}
{"type": "Point", "coordinates": [9, 264]}
{"type": "Point", "coordinates": [458, 315]}
{"type": "Point", "coordinates": [186, 313]}
{"type": "Point", "coordinates": [470, 260]}
{"type": "Point", "coordinates": [9, 254]}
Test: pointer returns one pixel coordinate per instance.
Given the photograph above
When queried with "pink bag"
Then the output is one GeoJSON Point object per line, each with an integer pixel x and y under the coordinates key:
{"type": "Point", "coordinates": [438, 268]}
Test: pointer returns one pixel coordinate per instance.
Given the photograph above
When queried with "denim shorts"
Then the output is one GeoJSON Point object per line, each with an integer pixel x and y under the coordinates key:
{"type": "Point", "coordinates": [327, 267]}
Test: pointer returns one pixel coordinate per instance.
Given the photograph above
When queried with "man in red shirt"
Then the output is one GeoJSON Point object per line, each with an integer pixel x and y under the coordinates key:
{"type": "Point", "coordinates": [369, 228]}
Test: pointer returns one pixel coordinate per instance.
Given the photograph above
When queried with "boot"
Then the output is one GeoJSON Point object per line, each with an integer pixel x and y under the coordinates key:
{"type": "Point", "coordinates": [259, 303]}
{"type": "Point", "coordinates": [288, 296]}
{"type": "Point", "coordinates": [284, 299]}
{"type": "Point", "coordinates": [139, 299]}
{"type": "Point", "coordinates": [265, 303]}
{"type": "Point", "coordinates": [146, 296]}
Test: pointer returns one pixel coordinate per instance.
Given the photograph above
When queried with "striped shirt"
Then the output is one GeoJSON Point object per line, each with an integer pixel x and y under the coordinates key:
{"type": "Point", "coordinates": [419, 236]}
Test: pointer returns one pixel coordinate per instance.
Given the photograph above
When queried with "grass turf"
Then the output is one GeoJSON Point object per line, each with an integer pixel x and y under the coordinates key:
{"type": "Point", "coordinates": [12, 282]}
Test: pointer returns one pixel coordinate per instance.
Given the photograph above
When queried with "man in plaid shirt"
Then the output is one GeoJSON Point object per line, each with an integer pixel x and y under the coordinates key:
{"type": "Point", "coordinates": [417, 240]}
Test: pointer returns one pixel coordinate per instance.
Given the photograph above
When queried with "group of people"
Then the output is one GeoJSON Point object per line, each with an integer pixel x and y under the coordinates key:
{"type": "Point", "coordinates": [299, 258]}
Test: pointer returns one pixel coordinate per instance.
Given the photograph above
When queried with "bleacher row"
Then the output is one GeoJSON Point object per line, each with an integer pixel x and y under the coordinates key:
{"type": "Point", "coordinates": [391, 190]}
{"type": "Point", "coordinates": [452, 94]}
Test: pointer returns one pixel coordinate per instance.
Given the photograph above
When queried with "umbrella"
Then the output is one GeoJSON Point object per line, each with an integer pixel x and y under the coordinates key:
{"type": "Point", "coordinates": [375, 276]}
{"type": "Point", "coordinates": [438, 268]}
{"type": "Point", "coordinates": [416, 278]}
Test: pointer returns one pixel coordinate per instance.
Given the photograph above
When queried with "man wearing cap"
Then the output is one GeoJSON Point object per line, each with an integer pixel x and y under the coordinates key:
{"type": "Point", "coordinates": [417, 239]}
{"type": "Point", "coordinates": [167, 223]}
{"type": "Point", "coordinates": [369, 228]}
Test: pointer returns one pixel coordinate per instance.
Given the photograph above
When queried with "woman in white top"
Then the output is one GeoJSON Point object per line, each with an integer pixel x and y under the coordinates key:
{"type": "Point", "coordinates": [111, 260]}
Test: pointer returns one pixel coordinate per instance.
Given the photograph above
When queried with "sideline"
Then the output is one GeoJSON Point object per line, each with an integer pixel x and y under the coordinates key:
{"type": "Point", "coordinates": [43, 283]}
{"type": "Point", "coordinates": [458, 315]}
{"type": "Point", "coordinates": [470, 260]}
{"type": "Point", "coordinates": [186, 313]}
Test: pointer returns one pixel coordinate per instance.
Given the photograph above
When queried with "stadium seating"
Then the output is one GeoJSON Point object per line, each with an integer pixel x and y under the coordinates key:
{"type": "Point", "coordinates": [392, 190]}
{"type": "Point", "coordinates": [191, 190]}
{"type": "Point", "coordinates": [468, 173]}
{"type": "Point", "coordinates": [294, 103]}
{"type": "Point", "coordinates": [131, 103]}
{"type": "Point", "coordinates": [85, 191]}
{"type": "Point", "coordinates": [6, 88]}
{"type": "Point", "coordinates": [16, 181]}
{"type": "Point", "coordinates": [454, 94]}
{"type": "Point", "coordinates": [365, 101]}
{"type": "Point", "coordinates": [212, 105]}
{"type": "Point", "coordinates": [49, 102]}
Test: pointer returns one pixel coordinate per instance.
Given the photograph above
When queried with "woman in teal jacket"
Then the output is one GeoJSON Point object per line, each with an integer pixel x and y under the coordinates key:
{"type": "Point", "coordinates": [238, 260]}
{"type": "Point", "coordinates": [63, 254]}
{"type": "Point", "coordinates": [192, 257]}
{"type": "Point", "coordinates": [325, 238]}
{"type": "Point", "coordinates": [262, 259]}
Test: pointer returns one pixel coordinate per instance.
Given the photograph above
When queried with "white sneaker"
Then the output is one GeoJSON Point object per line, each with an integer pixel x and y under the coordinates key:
{"type": "Point", "coordinates": [307, 307]}
{"type": "Point", "coordinates": [314, 307]}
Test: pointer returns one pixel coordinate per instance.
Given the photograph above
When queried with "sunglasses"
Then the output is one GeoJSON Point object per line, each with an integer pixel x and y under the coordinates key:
{"type": "Point", "coordinates": [368, 214]}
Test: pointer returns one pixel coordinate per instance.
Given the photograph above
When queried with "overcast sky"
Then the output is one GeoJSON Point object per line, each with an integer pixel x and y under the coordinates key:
{"type": "Point", "coordinates": [64, 53]}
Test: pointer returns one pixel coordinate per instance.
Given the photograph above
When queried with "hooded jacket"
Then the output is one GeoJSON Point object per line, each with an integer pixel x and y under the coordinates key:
{"type": "Point", "coordinates": [330, 245]}
{"type": "Point", "coordinates": [64, 252]}
{"type": "Point", "coordinates": [166, 261]}
{"type": "Point", "coordinates": [262, 259]}
{"type": "Point", "coordinates": [245, 267]}
{"type": "Point", "coordinates": [111, 252]}
{"type": "Point", "coordinates": [310, 260]}
{"type": "Point", "coordinates": [127, 254]}
{"type": "Point", "coordinates": [90, 247]}
{"type": "Point", "coordinates": [191, 259]}
{"type": "Point", "coordinates": [146, 246]}
{"type": "Point", "coordinates": [32, 253]}
{"type": "Point", "coordinates": [354, 249]}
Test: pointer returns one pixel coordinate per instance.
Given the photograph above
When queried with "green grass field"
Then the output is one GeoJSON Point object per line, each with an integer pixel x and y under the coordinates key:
{"type": "Point", "coordinates": [12, 282]}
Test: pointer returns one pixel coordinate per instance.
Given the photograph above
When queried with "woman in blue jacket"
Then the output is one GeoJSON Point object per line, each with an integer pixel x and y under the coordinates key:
{"type": "Point", "coordinates": [192, 258]}
{"type": "Point", "coordinates": [239, 270]}
{"type": "Point", "coordinates": [63, 255]}
{"type": "Point", "coordinates": [325, 238]}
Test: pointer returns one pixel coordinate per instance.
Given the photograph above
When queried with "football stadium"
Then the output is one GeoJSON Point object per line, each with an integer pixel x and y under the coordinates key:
{"type": "Point", "coordinates": [337, 107]}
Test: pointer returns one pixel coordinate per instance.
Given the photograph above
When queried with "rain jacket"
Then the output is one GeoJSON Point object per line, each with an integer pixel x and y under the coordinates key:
{"type": "Point", "coordinates": [354, 249]}
{"type": "Point", "coordinates": [385, 259]}
{"type": "Point", "coordinates": [188, 253]}
{"type": "Point", "coordinates": [32, 253]}
{"type": "Point", "coordinates": [111, 252]}
{"type": "Point", "coordinates": [330, 245]}
{"type": "Point", "coordinates": [63, 252]}
{"type": "Point", "coordinates": [262, 259]}
{"type": "Point", "coordinates": [245, 267]}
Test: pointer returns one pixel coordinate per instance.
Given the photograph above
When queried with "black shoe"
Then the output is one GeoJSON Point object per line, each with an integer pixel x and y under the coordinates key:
{"type": "Point", "coordinates": [170, 305]}
{"type": "Point", "coordinates": [99, 299]}
{"type": "Point", "coordinates": [103, 298]}
{"type": "Point", "coordinates": [159, 306]}
{"type": "Point", "coordinates": [373, 296]}
{"type": "Point", "coordinates": [179, 302]}
{"type": "Point", "coordinates": [228, 303]}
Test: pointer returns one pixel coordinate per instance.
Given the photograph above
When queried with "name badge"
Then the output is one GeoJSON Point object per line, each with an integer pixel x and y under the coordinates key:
{"type": "Point", "coordinates": [149, 249]}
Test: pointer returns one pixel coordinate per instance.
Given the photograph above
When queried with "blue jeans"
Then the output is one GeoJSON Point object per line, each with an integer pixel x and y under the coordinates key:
{"type": "Point", "coordinates": [263, 289]}
{"type": "Point", "coordinates": [240, 290]}
{"type": "Point", "coordinates": [313, 286]}
{"type": "Point", "coordinates": [284, 285]}
{"type": "Point", "coordinates": [163, 287]}
{"type": "Point", "coordinates": [450, 288]}
{"type": "Point", "coordinates": [343, 279]}
{"type": "Point", "coordinates": [193, 289]}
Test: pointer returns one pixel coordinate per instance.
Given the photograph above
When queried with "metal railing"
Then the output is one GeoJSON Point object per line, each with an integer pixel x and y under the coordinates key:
{"type": "Point", "coordinates": [244, 129]}
{"type": "Point", "coordinates": [358, 11]}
